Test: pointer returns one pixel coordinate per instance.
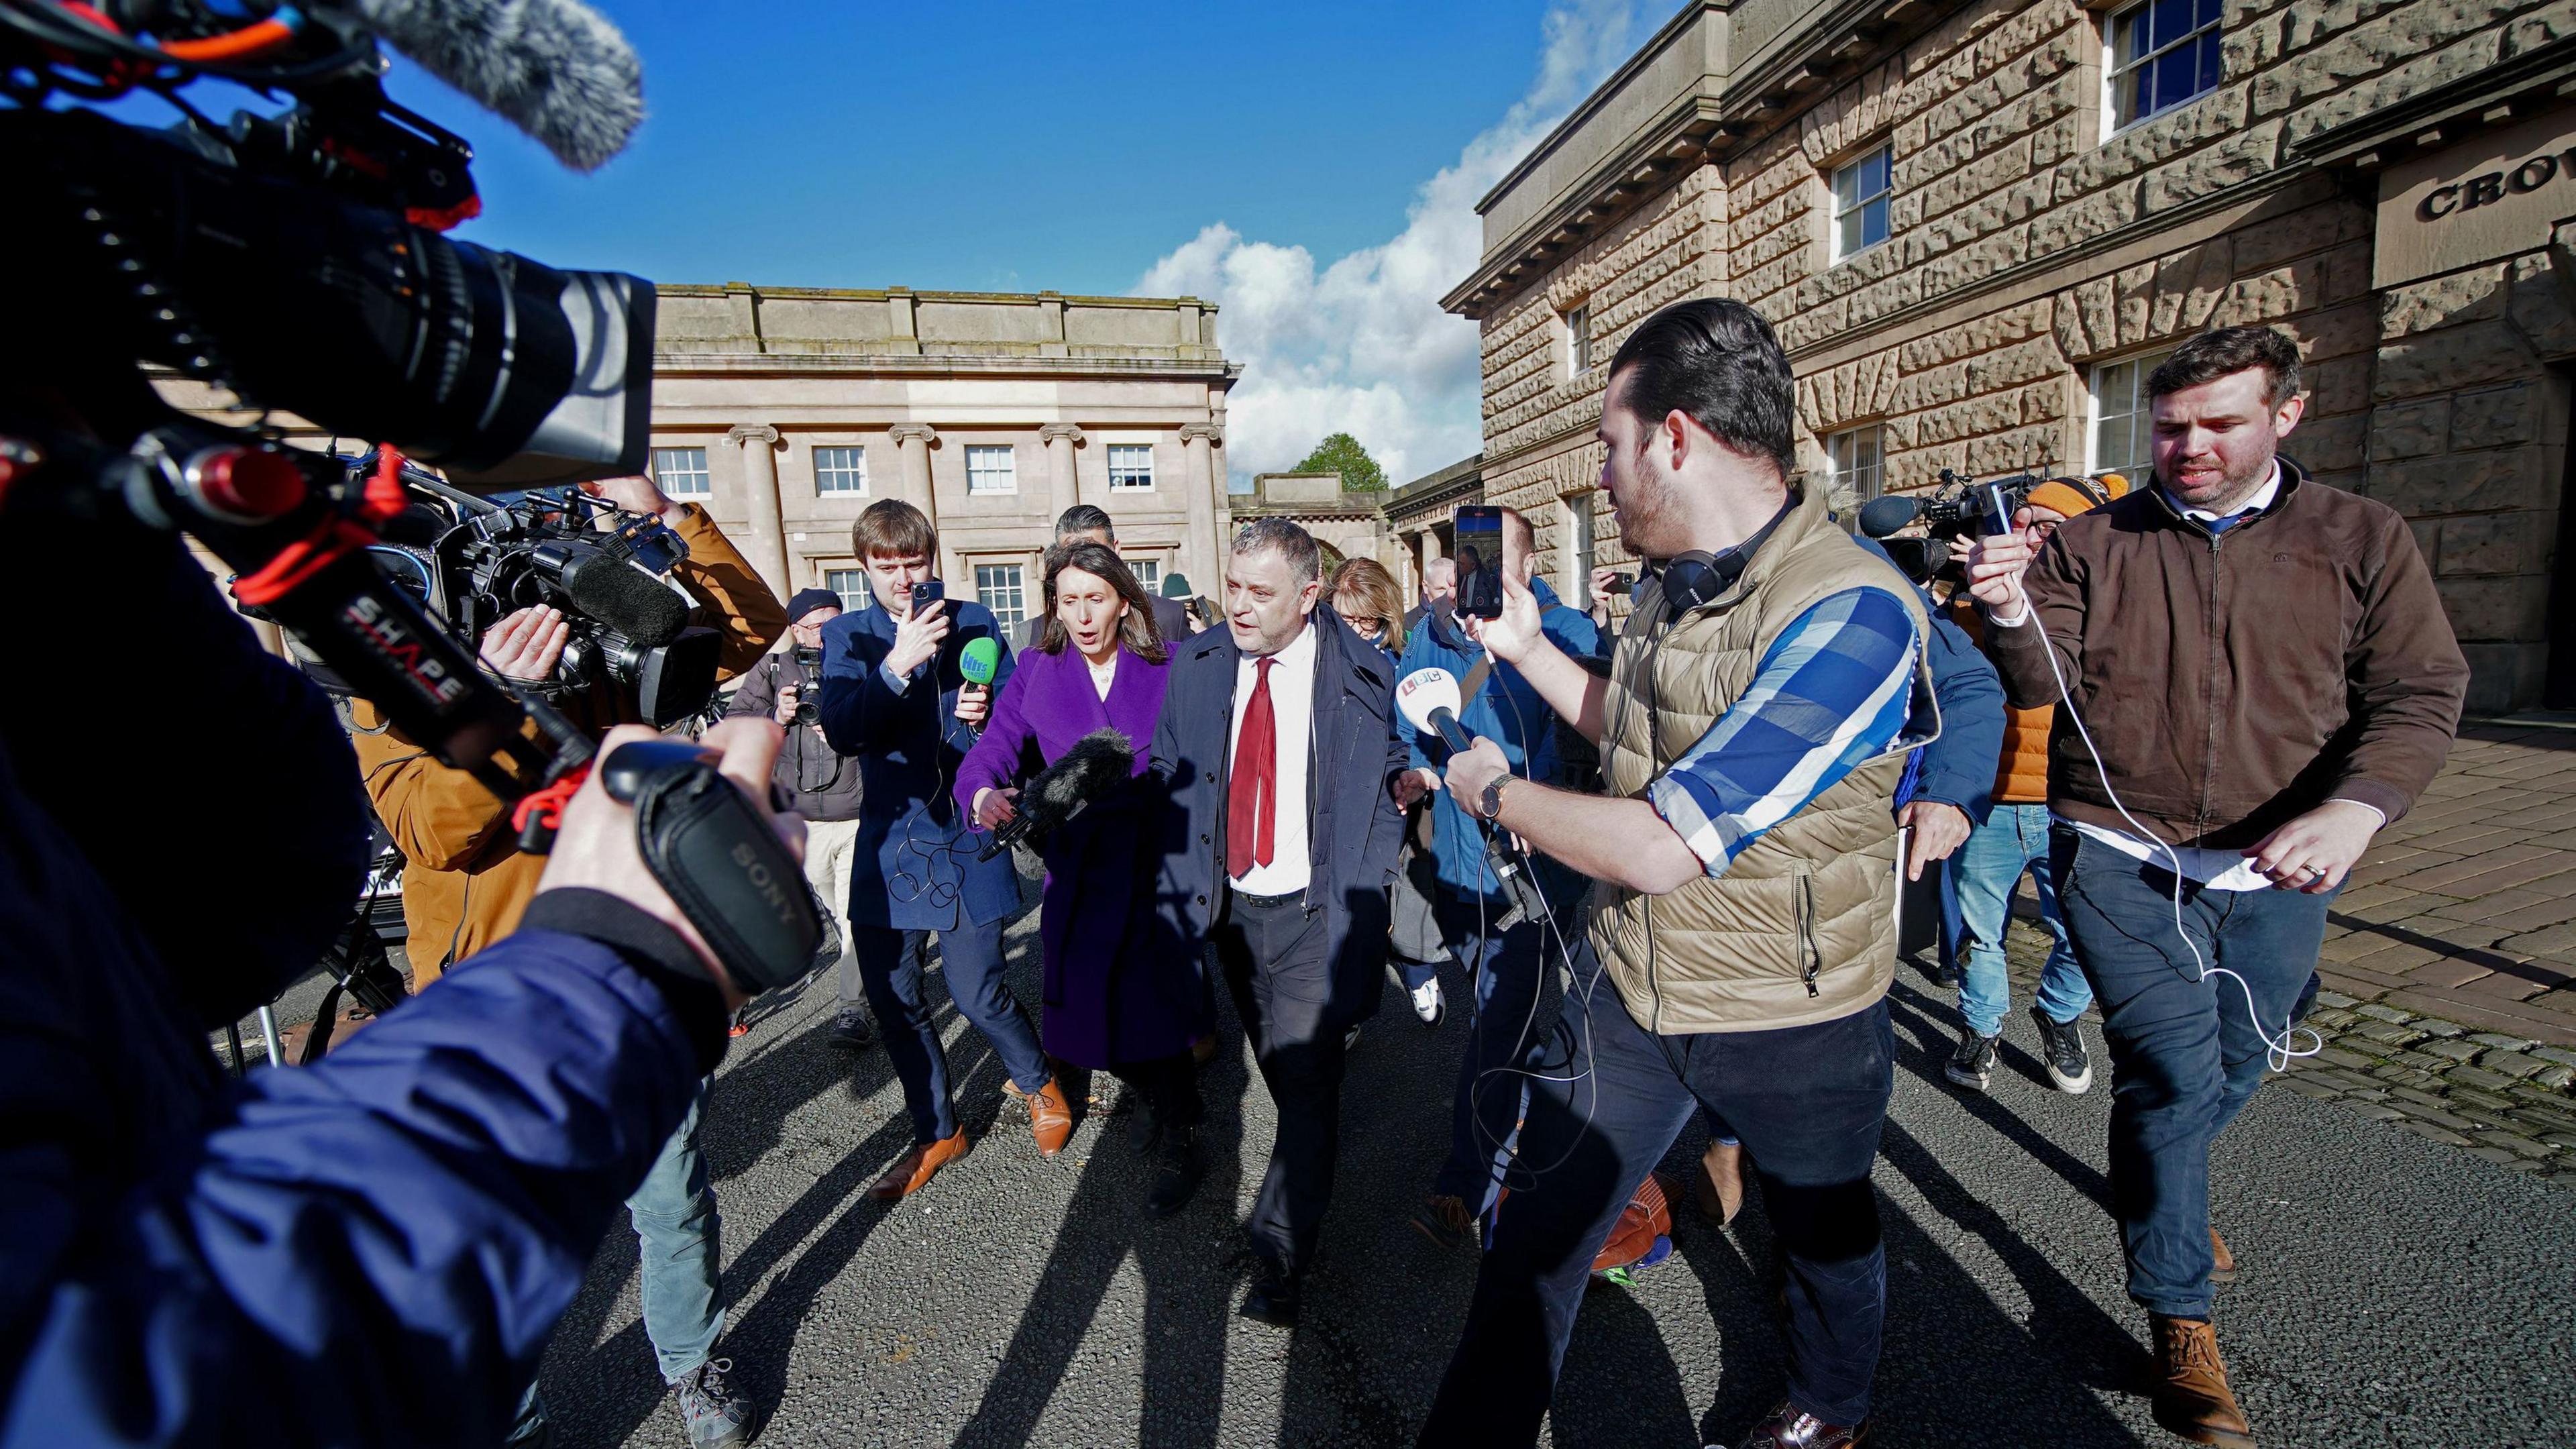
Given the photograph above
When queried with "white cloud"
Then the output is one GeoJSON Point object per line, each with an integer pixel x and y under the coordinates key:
{"type": "Point", "coordinates": [1362, 346]}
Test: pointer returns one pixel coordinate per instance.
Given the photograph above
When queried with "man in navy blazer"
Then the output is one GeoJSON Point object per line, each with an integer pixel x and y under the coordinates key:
{"type": "Point", "coordinates": [894, 696]}
{"type": "Point", "coordinates": [1277, 749]}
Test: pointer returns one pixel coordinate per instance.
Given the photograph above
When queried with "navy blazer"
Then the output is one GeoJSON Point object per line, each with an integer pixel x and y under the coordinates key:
{"type": "Point", "coordinates": [915, 866]}
{"type": "Point", "coordinates": [1353, 830]}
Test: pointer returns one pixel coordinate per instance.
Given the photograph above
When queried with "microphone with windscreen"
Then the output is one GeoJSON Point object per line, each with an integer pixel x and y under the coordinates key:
{"type": "Point", "coordinates": [1430, 701]}
{"type": "Point", "coordinates": [1880, 517]}
{"type": "Point", "coordinates": [617, 593]}
{"type": "Point", "coordinates": [1098, 763]}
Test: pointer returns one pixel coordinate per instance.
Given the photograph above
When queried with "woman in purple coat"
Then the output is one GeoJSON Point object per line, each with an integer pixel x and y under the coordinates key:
{"type": "Point", "coordinates": [1110, 1003]}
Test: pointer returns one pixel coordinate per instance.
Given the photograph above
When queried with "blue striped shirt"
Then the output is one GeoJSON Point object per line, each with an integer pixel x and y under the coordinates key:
{"type": "Point", "coordinates": [1833, 693]}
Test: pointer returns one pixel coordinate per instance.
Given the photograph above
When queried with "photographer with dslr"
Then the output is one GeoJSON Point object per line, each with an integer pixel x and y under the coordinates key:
{"type": "Point", "coordinates": [819, 783]}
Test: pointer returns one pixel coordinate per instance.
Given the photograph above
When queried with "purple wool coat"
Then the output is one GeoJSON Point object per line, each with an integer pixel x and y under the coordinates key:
{"type": "Point", "coordinates": [1109, 999]}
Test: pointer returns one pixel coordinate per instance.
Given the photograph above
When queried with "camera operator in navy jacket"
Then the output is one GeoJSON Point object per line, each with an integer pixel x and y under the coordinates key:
{"type": "Point", "coordinates": [1277, 747]}
{"type": "Point", "coordinates": [895, 696]}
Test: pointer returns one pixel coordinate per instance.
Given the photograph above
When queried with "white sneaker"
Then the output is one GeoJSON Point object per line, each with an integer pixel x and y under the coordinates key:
{"type": "Point", "coordinates": [1428, 1003]}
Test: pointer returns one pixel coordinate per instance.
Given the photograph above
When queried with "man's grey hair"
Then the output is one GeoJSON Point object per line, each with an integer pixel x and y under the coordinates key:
{"type": "Point", "coordinates": [1295, 544]}
{"type": "Point", "coordinates": [1085, 518]}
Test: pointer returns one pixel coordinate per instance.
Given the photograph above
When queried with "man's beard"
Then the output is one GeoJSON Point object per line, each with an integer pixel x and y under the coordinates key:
{"type": "Point", "coordinates": [1645, 508]}
{"type": "Point", "coordinates": [2228, 491]}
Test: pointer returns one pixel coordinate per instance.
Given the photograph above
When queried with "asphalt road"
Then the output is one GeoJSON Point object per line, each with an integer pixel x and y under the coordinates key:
{"type": "Point", "coordinates": [2393, 1291]}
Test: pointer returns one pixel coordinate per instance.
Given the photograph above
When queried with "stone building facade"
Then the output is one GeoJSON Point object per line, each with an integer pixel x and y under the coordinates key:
{"type": "Point", "coordinates": [1348, 525]}
{"type": "Point", "coordinates": [1420, 515]}
{"type": "Point", "coordinates": [1978, 225]}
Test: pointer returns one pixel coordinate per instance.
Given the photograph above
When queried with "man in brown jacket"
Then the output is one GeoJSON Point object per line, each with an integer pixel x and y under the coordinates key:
{"type": "Point", "coordinates": [2261, 676]}
{"type": "Point", "coordinates": [466, 883]}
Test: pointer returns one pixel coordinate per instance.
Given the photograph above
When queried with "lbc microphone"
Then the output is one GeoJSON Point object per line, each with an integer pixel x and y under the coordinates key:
{"type": "Point", "coordinates": [1429, 700]}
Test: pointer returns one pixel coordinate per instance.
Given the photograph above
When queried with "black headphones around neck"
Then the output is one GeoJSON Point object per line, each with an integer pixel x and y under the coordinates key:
{"type": "Point", "coordinates": [1695, 578]}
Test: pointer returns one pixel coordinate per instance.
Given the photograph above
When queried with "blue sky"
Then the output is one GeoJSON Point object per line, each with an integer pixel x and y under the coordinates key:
{"type": "Point", "coordinates": [1310, 166]}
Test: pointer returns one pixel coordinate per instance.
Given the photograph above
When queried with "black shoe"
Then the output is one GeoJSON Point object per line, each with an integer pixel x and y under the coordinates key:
{"type": "Point", "coordinates": [1177, 1170]}
{"type": "Point", "coordinates": [2061, 1047]}
{"type": "Point", "coordinates": [1973, 1064]}
{"type": "Point", "coordinates": [1273, 1300]}
{"type": "Point", "coordinates": [1143, 1129]}
{"type": "Point", "coordinates": [851, 1031]}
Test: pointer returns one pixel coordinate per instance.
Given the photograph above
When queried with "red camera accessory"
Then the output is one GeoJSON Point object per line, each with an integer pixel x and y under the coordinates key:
{"type": "Point", "coordinates": [721, 861]}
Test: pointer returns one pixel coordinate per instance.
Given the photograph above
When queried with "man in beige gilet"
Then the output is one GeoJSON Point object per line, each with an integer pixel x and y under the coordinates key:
{"type": "Point", "coordinates": [1743, 851]}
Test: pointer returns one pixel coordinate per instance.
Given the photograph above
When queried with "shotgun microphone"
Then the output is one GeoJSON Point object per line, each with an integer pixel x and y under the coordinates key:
{"type": "Point", "coordinates": [1098, 763]}
{"type": "Point", "coordinates": [1429, 700]}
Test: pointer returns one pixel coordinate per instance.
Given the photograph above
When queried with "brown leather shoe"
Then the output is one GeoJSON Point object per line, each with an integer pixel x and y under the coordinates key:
{"type": "Point", "coordinates": [2192, 1398]}
{"type": "Point", "coordinates": [1719, 1183]}
{"type": "Point", "coordinates": [1792, 1428]}
{"type": "Point", "coordinates": [1203, 1049]}
{"type": "Point", "coordinates": [914, 1168]}
{"type": "Point", "coordinates": [1050, 1120]}
{"type": "Point", "coordinates": [2222, 1267]}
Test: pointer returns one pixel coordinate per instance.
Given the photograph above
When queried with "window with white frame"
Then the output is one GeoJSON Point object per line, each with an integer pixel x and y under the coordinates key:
{"type": "Point", "coordinates": [2160, 54]}
{"type": "Point", "coordinates": [851, 585]}
{"type": "Point", "coordinates": [840, 470]}
{"type": "Point", "coordinates": [1131, 467]}
{"type": "Point", "coordinates": [1001, 589]}
{"type": "Point", "coordinates": [1858, 472]}
{"type": "Point", "coordinates": [682, 472]}
{"type": "Point", "coordinates": [1577, 325]}
{"type": "Point", "coordinates": [2122, 425]}
{"type": "Point", "coordinates": [989, 469]}
{"type": "Point", "coordinates": [1860, 202]}
{"type": "Point", "coordinates": [1148, 572]}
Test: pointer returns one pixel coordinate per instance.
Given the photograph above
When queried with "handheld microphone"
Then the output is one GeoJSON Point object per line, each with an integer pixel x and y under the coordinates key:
{"type": "Point", "coordinates": [1098, 763]}
{"type": "Point", "coordinates": [556, 69]}
{"type": "Point", "coordinates": [1430, 701]}
{"type": "Point", "coordinates": [980, 660]}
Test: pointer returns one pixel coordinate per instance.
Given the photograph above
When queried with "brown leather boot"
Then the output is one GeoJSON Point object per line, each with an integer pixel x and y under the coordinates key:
{"type": "Point", "coordinates": [1719, 1185]}
{"type": "Point", "coordinates": [2222, 1267]}
{"type": "Point", "coordinates": [1050, 1120]}
{"type": "Point", "coordinates": [914, 1168]}
{"type": "Point", "coordinates": [2192, 1398]}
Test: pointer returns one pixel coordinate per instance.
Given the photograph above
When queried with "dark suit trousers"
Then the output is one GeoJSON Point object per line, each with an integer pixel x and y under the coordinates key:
{"type": "Point", "coordinates": [1275, 965]}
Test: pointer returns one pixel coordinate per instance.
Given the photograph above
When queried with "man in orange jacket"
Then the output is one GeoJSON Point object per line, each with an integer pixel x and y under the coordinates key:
{"type": "Point", "coordinates": [2011, 839]}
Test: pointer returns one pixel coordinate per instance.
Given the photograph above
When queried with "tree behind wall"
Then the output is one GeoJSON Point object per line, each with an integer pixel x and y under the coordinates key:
{"type": "Point", "coordinates": [1341, 453]}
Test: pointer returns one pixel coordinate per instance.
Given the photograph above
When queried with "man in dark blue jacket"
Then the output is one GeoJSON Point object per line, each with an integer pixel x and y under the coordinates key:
{"type": "Point", "coordinates": [369, 1251]}
{"type": "Point", "coordinates": [1504, 968]}
{"type": "Point", "coordinates": [1277, 753]}
{"type": "Point", "coordinates": [896, 697]}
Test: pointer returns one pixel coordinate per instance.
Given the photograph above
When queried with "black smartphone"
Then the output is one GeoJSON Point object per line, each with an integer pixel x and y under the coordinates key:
{"type": "Point", "coordinates": [1619, 583]}
{"type": "Point", "coordinates": [927, 593]}
{"type": "Point", "coordinates": [1479, 552]}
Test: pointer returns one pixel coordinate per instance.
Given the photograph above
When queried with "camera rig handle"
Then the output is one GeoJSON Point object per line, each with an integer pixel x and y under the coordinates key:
{"type": "Point", "coordinates": [278, 516]}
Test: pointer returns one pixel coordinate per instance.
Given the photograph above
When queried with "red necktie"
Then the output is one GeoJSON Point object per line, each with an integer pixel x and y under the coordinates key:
{"type": "Point", "coordinates": [1251, 826]}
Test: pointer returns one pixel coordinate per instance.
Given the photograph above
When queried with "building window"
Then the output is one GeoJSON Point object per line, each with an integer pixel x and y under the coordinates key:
{"type": "Point", "coordinates": [1575, 580]}
{"type": "Point", "coordinates": [1860, 203]}
{"type": "Point", "coordinates": [999, 587]}
{"type": "Point", "coordinates": [840, 470]}
{"type": "Point", "coordinates": [990, 470]}
{"type": "Point", "coordinates": [2162, 53]}
{"type": "Point", "coordinates": [1577, 324]}
{"type": "Point", "coordinates": [1131, 467]}
{"type": "Point", "coordinates": [851, 585]}
{"type": "Point", "coordinates": [1858, 476]}
{"type": "Point", "coordinates": [682, 472]}
{"type": "Point", "coordinates": [1148, 572]}
{"type": "Point", "coordinates": [2122, 425]}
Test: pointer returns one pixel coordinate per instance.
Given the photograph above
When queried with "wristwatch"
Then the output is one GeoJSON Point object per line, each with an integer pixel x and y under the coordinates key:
{"type": "Point", "coordinates": [1490, 804]}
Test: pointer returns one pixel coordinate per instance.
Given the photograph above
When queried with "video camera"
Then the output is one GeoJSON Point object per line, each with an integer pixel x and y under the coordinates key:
{"type": "Point", "coordinates": [472, 560]}
{"type": "Point", "coordinates": [1957, 508]}
{"type": "Point", "coordinates": [297, 262]}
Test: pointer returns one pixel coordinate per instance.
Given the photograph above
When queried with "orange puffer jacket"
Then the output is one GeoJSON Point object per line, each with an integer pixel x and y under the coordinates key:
{"type": "Point", "coordinates": [2021, 772]}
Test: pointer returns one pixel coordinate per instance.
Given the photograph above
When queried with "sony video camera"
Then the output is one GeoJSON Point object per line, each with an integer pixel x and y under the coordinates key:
{"type": "Point", "coordinates": [472, 560]}
{"type": "Point", "coordinates": [1956, 509]}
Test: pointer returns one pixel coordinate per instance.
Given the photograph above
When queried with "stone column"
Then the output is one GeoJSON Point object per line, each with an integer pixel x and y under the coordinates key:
{"type": "Point", "coordinates": [912, 441]}
{"type": "Point", "coordinates": [1202, 483]}
{"type": "Point", "coordinates": [767, 545]}
{"type": "Point", "coordinates": [1060, 439]}
{"type": "Point", "coordinates": [1430, 550]}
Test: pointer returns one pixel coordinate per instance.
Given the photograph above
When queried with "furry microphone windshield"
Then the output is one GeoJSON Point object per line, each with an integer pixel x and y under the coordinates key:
{"type": "Point", "coordinates": [556, 69]}
{"type": "Point", "coordinates": [1098, 763]}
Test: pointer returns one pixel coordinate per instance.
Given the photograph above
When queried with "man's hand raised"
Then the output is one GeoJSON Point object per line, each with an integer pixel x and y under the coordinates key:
{"type": "Point", "coordinates": [527, 644]}
{"type": "Point", "coordinates": [1995, 566]}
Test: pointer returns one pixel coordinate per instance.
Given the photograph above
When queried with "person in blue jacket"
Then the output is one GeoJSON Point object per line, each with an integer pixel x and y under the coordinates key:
{"type": "Point", "coordinates": [1503, 967]}
{"type": "Point", "coordinates": [369, 1251]}
{"type": "Point", "coordinates": [894, 696]}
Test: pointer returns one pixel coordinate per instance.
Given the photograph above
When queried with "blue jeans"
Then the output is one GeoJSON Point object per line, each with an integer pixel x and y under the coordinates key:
{"type": "Point", "coordinates": [891, 966]}
{"type": "Point", "coordinates": [1506, 969]}
{"type": "Point", "coordinates": [2185, 1054]}
{"type": "Point", "coordinates": [1983, 874]}
{"type": "Point", "coordinates": [1808, 1101]}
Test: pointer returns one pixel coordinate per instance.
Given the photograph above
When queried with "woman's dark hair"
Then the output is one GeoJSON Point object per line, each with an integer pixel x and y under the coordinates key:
{"type": "Point", "coordinates": [2215, 354]}
{"type": "Point", "coordinates": [1716, 360]}
{"type": "Point", "coordinates": [1136, 631]}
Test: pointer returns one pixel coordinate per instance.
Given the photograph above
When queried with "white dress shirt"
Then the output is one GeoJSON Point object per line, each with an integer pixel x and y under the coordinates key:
{"type": "Point", "coordinates": [1292, 707]}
